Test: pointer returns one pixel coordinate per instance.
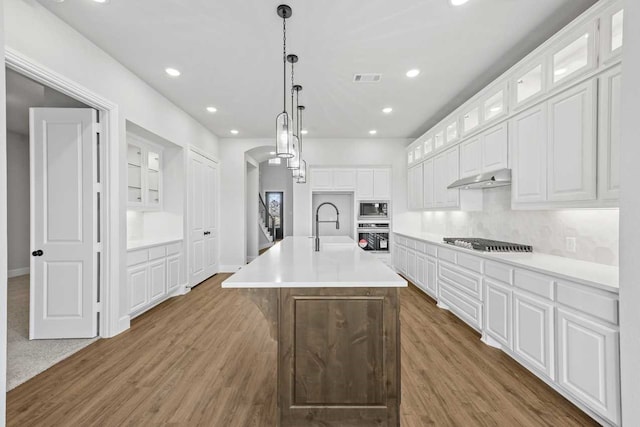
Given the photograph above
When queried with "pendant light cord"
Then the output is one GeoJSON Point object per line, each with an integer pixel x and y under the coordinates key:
{"type": "Point", "coordinates": [292, 110]}
{"type": "Point", "coordinates": [298, 121]}
{"type": "Point", "coordinates": [284, 64]}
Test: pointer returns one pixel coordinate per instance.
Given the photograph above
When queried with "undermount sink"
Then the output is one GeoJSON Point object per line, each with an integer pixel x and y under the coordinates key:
{"type": "Point", "coordinates": [335, 243]}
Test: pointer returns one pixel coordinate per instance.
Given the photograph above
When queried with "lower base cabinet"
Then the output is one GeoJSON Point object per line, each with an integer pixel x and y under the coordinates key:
{"type": "Point", "coordinates": [497, 306]}
{"type": "Point", "coordinates": [588, 363]}
{"type": "Point", "coordinates": [152, 275]}
{"type": "Point", "coordinates": [533, 332]}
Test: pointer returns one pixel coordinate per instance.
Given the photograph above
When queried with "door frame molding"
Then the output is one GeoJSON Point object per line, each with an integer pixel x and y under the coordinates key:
{"type": "Point", "coordinates": [110, 324]}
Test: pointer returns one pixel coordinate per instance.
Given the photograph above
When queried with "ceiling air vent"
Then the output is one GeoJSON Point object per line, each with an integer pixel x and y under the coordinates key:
{"type": "Point", "coordinates": [367, 78]}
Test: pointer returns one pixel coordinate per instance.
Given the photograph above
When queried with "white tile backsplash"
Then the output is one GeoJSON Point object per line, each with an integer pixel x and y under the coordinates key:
{"type": "Point", "coordinates": [595, 230]}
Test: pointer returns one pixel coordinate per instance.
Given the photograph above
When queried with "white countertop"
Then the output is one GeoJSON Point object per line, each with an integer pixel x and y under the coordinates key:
{"type": "Point", "coordinates": [147, 243]}
{"type": "Point", "coordinates": [293, 263]}
{"type": "Point", "coordinates": [589, 273]}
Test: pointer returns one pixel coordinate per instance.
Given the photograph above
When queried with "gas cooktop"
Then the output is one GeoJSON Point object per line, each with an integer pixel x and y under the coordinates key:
{"type": "Point", "coordinates": [487, 245]}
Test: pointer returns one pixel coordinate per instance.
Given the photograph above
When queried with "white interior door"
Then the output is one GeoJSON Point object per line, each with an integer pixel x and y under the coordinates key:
{"type": "Point", "coordinates": [63, 223]}
{"type": "Point", "coordinates": [203, 213]}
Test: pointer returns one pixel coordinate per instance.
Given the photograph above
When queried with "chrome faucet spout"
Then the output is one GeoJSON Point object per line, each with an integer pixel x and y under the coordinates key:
{"type": "Point", "coordinates": [337, 221]}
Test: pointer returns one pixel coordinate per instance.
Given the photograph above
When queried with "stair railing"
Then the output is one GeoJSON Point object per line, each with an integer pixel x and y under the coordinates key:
{"type": "Point", "coordinates": [266, 217]}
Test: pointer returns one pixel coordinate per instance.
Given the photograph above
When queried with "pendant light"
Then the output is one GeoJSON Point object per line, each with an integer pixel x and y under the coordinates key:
{"type": "Point", "coordinates": [293, 163]}
{"type": "Point", "coordinates": [283, 122]}
{"type": "Point", "coordinates": [301, 175]}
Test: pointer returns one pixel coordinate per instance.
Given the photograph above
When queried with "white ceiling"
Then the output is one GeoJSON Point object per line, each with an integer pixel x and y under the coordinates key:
{"type": "Point", "coordinates": [229, 53]}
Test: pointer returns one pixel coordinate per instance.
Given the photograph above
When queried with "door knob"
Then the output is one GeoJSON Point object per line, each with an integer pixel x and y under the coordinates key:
{"type": "Point", "coordinates": [37, 253]}
{"type": "Point", "coordinates": [206, 233]}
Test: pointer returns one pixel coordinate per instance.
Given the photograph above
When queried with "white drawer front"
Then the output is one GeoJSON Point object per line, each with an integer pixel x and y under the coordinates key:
{"type": "Point", "coordinates": [499, 271]}
{"type": "Point", "coordinates": [471, 262]}
{"type": "Point", "coordinates": [157, 252]}
{"type": "Point", "coordinates": [174, 248]}
{"type": "Point", "coordinates": [535, 283]}
{"type": "Point", "coordinates": [411, 244]}
{"type": "Point", "coordinates": [401, 240]}
{"type": "Point", "coordinates": [432, 250]}
{"type": "Point", "coordinates": [421, 247]}
{"type": "Point", "coordinates": [466, 281]}
{"type": "Point", "coordinates": [466, 308]}
{"type": "Point", "coordinates": [137, 257]}
{"type": "Point", "coordinates": [600, 304]}
{"type": "Point", "coordinates": [447, 255]}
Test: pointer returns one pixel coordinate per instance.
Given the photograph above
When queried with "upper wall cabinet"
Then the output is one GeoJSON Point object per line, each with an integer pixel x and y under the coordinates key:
{"type": "Point", "coordinates": [609, 118]}
{"type": "Point", "coordinates": [144, 177]}
{"type": "Point", "coordinates": [471, 119]}
{"type": "Point", "coordinates": [574, 57]}
{"type": "Point", "coordinates": [428, 146]}
{"type": "Point", "coordinates": [452, 134]}
{"type": "Point", "coordinates": [529, 83]}
{"type": "Point", "coordinates": [326, 179]}
{"type": "Point", "coordinates": [373, 184]}
{"type": "Point", "coordinates": [494, 104]}
{"type": "Point", "coordinates": [438, 139]}
{"type": "Point", "coordinates": [485, 152]}
{"type": "Point", "coordinates": [528, 139]}
{"type": "Point", "coordinates": [611, 33]}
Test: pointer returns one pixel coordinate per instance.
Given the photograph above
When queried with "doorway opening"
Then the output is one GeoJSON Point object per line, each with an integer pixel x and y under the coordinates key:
{"type": "Point", "coordinates": [53, 221]}
{"type": "Point", "coordinates": [274, 201]}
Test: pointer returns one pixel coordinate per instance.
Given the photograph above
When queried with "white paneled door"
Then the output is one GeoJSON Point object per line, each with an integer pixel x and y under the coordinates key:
{"type": "Point", "coordinates": [63, 293]}
{"type": "Point", "coordinates": [203, 239]}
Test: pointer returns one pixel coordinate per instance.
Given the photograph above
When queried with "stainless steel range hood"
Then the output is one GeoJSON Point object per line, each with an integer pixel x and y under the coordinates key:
{"type": "Point", "coordinates": [499, 178]}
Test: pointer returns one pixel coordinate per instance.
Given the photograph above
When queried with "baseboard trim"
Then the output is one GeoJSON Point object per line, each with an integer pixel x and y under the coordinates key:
{"type": "Point", "coordinates": [124, 323]}
{"type": "Point", "coordinates": [17, 272]}
{"type": "Point", "coordinates": [229, 268]}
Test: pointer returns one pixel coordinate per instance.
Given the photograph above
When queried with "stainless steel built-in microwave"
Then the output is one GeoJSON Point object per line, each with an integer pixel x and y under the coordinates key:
{"type": "Point", "coordinates": [373, 210]}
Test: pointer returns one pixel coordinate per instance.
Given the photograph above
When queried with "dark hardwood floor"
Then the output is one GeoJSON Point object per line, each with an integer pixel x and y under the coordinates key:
{"type": "Point", "coordinates": [207, 359]}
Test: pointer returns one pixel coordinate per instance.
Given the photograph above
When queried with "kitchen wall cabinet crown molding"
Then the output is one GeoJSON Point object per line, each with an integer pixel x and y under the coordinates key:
{"type": "Point", "coordinates": [564, 332]}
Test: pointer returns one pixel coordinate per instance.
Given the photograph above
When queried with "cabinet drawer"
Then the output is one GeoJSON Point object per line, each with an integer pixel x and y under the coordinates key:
{"type": "Point", "coordinates": [470, 262]}
{"type": "Point", "coordinates": [174, 248]}
{"type": "Point", "coordinates": [157, 252]}
{"type": "Point", "coordinates": [600, 304]}
{"type": "Point", "coordinates": [465, 281]}
{"type": "Point", "coordinates": [432, 250]}
{"type": "Point", "coordinates": [447, 255]}
{"type": "Point", "coordinates": [411, 244]}
{"type": "Point", "coordinates": [421, 247]}
{"type": "Point", "coordinates": [534, 283]}
{"type": "Point", "coordinates": [467, 309]}
{"type": "Point", "coordinates": [498, 271]}
{"type": "Point", "coordinates": [402, 240]}
{"type": "Point", "coordinates": [137, 257]}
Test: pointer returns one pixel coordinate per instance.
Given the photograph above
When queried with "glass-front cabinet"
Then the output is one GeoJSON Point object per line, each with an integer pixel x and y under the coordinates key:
{"type": "Point", "coordinates": [144, 180]}
{"type": "Point", "coordinates": [438, 140]}
{"type": "Point", "coordinates": [611, 33]}
{"type": "Point", "coordinates": [470, 120]}
{"type": "Point", "coordinates": [428, 146]}
{"type": "Point", "coordinates": [452, 132]}
{"type": "Point", "coordinates": [494, 104]}
{"type": "Point", "coordinates": [575, 57]}
{"type": "Point", "coordinates": [529, 83]}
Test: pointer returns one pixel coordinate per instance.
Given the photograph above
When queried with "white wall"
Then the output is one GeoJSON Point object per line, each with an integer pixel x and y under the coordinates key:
{"type": "Point", "coordinates": [278, 178]}
{"type": "Point", "coordinates": [317, 152]}
{"type": "Point", "coordinates": [630, 218]}
{"type": "Point", "coordinates": [3, 227]}
{"type": "Point", "coordinates": [18, 202]}
{"type": "Point", "coordinates": [546, 231]}
{"type": "Point", "coordinates": [36, 33]}
{"type": "Point", "coordinates": [251, 217]}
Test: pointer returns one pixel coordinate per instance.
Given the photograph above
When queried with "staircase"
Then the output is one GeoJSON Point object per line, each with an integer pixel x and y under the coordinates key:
{"type": "Point", "coordinates": [266, 221]}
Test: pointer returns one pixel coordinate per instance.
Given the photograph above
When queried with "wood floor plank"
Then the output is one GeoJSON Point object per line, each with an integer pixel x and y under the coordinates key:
{"type": "Point", "coordinates": [207, 359]}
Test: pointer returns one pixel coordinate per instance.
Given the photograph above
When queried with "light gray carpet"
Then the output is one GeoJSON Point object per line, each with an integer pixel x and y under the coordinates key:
{"type": "Point", "coordinates": [25, 358]}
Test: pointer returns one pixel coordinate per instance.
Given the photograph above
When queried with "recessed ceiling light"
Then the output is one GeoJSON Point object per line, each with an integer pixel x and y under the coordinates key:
{"type": "Point", "coordinates": [234, 131]}
{"type": "Point", "coordinates": [172, 72]}
{"type": "Point", "coordinates": [101, 1]}
{"type": "Point", "coordinates": [458, 2]}
{"type": "Point", "coordinates": [373, 132]}
{"type": "Point", "coordinates": [272, 153]}
{"type": "Point", "coordinates": [304, 131]}
{"type": "Point", "coordinates": [212, 109]}
{"type": "Point", "coordinates": [413, 73]}
{"type": "Point", "coordinates": [560, 71]}
{"type": "Point", "coordinates": [387, 110]}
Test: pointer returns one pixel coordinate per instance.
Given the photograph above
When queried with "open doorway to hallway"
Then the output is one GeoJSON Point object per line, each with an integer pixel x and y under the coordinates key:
{"type": "Point", "coordinates": [27, 357]}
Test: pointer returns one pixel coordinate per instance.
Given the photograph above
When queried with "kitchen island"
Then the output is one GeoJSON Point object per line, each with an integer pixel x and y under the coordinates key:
{"type": "Point", "coordinates": [335, 315]}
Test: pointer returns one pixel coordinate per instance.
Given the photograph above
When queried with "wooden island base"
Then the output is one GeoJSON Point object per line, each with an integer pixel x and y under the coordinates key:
{"type": "Point", "coordinates": [338, 354]}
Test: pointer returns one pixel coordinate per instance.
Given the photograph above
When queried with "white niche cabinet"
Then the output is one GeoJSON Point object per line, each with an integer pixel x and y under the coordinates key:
{"type": "Point", "coordinates": [144, 174]}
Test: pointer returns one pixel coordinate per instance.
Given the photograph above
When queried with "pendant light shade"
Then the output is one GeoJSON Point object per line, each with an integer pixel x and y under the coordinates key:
{"type": "Point", "coordinates": [294, 162]}
{"type": "Point", "coordinates": [283, 122]}
{"type": "Point", "coordinates": [302, 172]}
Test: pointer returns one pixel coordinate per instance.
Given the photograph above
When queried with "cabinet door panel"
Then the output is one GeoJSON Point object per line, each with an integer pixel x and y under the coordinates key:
{"type": "Point", "coordinates": [498, 312]}
{"type": "Point", "coordinates": [588, 363]}
{"type": "Point", "coordinates": [344, 179]}
{"type": "Point", "coordinates": [533, 332]}
{"type": "Point", "coordinates": [453, 174]}
{"type": "Point", "coordinates": [421, 270]}
{"type": "Point", "coordinates": [418, 191]}
{"type": "Point", "coordinates": [173, 272]}
{"type": "Point", "coordinates": [411, 265]}
{"type": "Point", "coordinates": [470, 158]}
{"type": "Point", "coordinates": [402, 260]}
{"type": "Point", "coordinates": [494, 148]}
{"type": "Point", "coordinates": [440, 176]}
{"type": "Point", "coordinates": [364, 180]}
{"type": "Point", "coordinates": [137, 280]}
{"type": "Point", "coordinates": [528, 150]}
{"type": "Point", "coordinates": [381, 184]}
{"type": "Point", "coordinates": [572, 145]}
{"type": "Point", "coordinates": [431, 279]}
{"type": "Point", "coordinates": [428, 184]}
{"type": "Point", "coordinates": [157, 280]}
{"type": "Point", "coordinates": [321, 179]}
{"type": "Point", "coordinates": [610, 134]}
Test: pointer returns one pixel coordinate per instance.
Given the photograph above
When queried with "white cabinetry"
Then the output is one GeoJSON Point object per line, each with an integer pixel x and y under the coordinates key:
{"type": "Point", "coordinates": [572, 144]}
{"type": "Point", "coordinates": [368, 184]}
{"type": "Point", "coordinates": [446, 171]}
{"type": "Point", "coordinates": [485, 153]}
{"type": "Point", "coordinates": [529, 151]}
{"type": "Point", "coordinates": [153, 274]}
{"type": "Point", "coordinates": [533, 332]}
{"type": "Point", "coordinates": [497, 306]}
{"type": "Point", "coordinates": [344, 179]}
{"type": "Point", "coordinates": [611, 33]}
{"type": "Point", "coordinates": [144, 174]}
{"type": "Point", "coordinates": [610, 115]}
{"type": "Point", "coordinates": [382, 184]}
{"type": "Point", "coordinates": [321, 179]}
{"type": "Point", "coordinates": [415, 187]}
{"type": "Point", "coordinates": [428, 184]}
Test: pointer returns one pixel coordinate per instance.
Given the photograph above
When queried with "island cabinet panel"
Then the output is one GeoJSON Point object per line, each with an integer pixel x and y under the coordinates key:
{"type": "Point", "coordinates": [339, 357]}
